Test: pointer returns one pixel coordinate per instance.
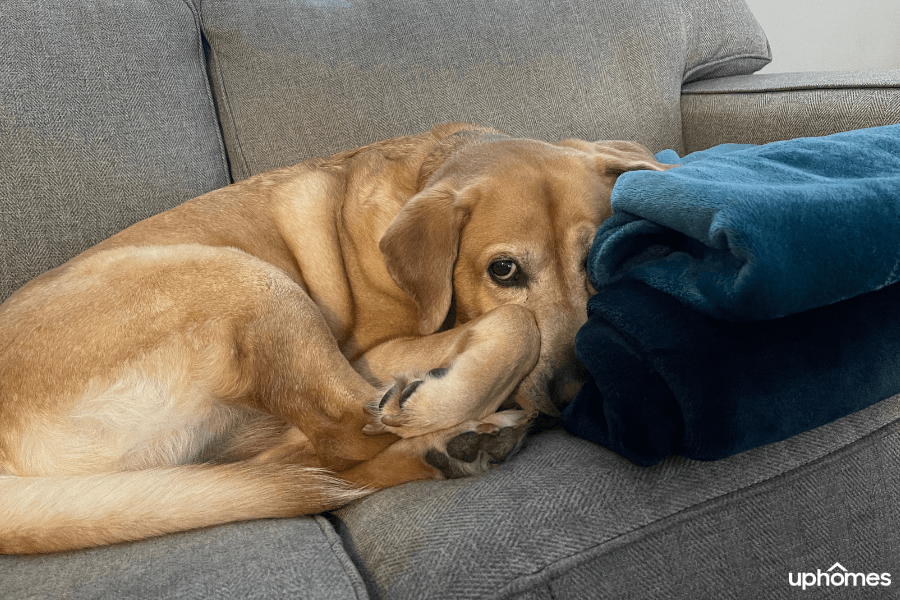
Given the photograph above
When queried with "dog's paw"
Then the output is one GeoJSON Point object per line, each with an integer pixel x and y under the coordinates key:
{"type": "Point", "coordinates": [472, 447]}
{"type": "Point", "coordinates": [435, 407]}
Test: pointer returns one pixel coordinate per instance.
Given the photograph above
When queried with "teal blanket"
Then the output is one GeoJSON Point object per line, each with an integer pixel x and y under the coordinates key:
{"type": "Point", "coordinates": [743, 298]}
{"type": "Point", "coordinates": [750, 233]}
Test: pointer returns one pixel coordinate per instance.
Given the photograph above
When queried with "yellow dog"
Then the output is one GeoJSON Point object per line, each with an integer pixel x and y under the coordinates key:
{"type": "Point", "coordinates": [300, 339]}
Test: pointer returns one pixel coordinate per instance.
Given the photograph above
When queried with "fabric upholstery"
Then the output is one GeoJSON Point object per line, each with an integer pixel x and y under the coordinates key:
{"type": "Point", "coordinates": [268, 560]}
{"type": "Point", "coordinates": [295, 80]}
{"type": "Point", "coordinates": [758, 109]}
{"type": "Point", "coordinates": [565, 518]}
{"type": "Point", "coordinates": [106, 118]}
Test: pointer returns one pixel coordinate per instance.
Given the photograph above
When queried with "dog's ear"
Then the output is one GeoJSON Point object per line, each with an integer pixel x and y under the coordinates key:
{"type": "Point", "coordinates": [420, 248]}
{"type": "Point", "coordinates": [617, 157]}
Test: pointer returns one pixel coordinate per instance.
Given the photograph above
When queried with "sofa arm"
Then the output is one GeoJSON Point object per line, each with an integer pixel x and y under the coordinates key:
{"type": "Point", "coordinates": [756, 109]}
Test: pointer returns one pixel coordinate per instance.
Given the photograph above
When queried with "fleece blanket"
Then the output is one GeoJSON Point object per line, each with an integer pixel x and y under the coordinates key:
{"type": "Point", "coordinates": [743, 298]}
{"type": "Point", "coordinates": [666, 379]}
{"type": "Point", "coordinates": [751, 233]}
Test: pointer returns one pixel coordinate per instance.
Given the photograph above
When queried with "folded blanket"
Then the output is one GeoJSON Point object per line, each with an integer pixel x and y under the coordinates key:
{"type": "Point", "coordinates": [669, 380]}
{"type": "Point", "coordinates": [744, 297]}
{"type": "Point", "coordinates": [748, 233]}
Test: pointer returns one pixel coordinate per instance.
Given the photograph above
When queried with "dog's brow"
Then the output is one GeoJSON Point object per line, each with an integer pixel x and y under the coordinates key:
{"type": "Point", "coordinates": [528, 254]}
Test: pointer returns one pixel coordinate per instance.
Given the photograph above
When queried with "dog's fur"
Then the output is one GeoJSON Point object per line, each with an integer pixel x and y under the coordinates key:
{"type": "Point", "coordinates": [300, 339]}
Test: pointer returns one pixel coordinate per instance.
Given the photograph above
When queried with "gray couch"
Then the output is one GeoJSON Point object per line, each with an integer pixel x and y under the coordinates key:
{"type": "Point", "coordinates": [111, 111]}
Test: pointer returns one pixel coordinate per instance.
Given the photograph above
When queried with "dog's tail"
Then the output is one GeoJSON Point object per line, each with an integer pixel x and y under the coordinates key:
{"type": "Point", "coordinates": [50, 514]}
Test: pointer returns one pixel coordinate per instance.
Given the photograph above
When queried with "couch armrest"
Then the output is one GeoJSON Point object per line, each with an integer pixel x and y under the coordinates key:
{"type": "Point", "coordinates": [756, 109]}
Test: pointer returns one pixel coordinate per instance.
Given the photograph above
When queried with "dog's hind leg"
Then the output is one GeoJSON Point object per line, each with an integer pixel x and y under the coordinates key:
{"type": "Point", "coordinates": [301, 375]}
{"type": "Point", "coordinates": [468, 448]}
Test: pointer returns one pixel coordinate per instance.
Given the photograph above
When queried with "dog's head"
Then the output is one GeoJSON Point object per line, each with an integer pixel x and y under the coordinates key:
{"type": "Point", "coordinates": [511, 221]}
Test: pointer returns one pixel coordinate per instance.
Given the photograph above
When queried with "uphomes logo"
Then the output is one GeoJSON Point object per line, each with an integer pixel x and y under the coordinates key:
{"type": "Point", "coordinates": [838, 576]}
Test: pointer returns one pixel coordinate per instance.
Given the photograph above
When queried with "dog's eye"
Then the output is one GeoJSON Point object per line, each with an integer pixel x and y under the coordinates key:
{"type": "Point", "coordinates": [505, 272]}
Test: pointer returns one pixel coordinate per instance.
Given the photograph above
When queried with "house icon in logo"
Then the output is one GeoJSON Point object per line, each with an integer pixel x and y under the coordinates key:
{"type": "Point", "coordinates": [839, 565]}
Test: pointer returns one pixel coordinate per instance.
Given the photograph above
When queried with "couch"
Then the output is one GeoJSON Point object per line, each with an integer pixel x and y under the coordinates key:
{"type": "Point", "coordinates": [111, 111]}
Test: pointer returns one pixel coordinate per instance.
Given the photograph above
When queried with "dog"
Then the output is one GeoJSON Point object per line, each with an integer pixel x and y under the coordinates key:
{"type": "Point", "coordinates": [302, 338]}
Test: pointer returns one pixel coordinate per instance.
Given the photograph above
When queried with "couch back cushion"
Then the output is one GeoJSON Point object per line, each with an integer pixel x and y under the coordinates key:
{"type": "Point", "coordinates": [298, 79]}
{"type": "Point", "coordinates": [106, 117]}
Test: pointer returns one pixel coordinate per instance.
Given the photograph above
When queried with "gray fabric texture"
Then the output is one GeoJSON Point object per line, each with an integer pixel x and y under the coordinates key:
{"type": "Point", "coordinates": [106, 117]}
{"type": "Point", "coordinates": [568, 519]}
{"type": "Point", "coordinates": [295, 80]}
{"type": "Point", "coordinates": [758, 109]}
{"type": "Point", "coordinates": [811, 80]}
{"type": "Point", "coordinates": [268, 560]}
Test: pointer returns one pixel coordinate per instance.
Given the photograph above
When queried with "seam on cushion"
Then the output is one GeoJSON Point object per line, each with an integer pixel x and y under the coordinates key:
{"type": "Point", "coordinates": [787, 87]}
{"type": "Point", "coordinates": [198, 28]}
{"type": "Point", "coordinates": [227, 110]}
{"type": "Point", "coordinates": [788, 90]}
{"type": "Point", "coordinates": [557, 568]}
{"type": "Point", "coordinates": [337, 548]}
{"type": "Point", "coordinates": [686, 78]}
{"type": "Point", "coordinates": [229, 114]}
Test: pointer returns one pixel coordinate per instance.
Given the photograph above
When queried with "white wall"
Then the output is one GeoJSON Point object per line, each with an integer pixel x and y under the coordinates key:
{"type": "Point", "coordinates": [830, 35]}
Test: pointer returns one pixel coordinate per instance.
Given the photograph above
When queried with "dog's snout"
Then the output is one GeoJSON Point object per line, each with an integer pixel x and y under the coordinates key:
{"type": "Point", "coordinates": [566, 381]}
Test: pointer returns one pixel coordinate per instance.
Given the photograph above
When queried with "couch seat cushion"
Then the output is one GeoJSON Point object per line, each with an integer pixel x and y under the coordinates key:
{"type": "Point", "coordinates": [565, 518]}
{"type": "Point", "coordinates": [268, 560]}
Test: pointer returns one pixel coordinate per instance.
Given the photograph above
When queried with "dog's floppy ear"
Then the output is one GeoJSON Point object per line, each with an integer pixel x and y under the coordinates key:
{"type": "Point", "coordinates": [617, 157]}
{"type": "Point", "coordinates": [420, 248]}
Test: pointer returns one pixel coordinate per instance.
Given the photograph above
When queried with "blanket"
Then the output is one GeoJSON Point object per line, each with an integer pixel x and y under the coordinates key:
{"type": "Point", "coordinates": [744, 297]}
{"type": "Point", "coordinates": [666, 379]}
{"type": "Point", "coordinates": [751, 233]}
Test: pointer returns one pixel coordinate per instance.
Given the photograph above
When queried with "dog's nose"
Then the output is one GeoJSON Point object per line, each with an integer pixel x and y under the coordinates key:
{"type": "Point", "coordinates": [566, 381]}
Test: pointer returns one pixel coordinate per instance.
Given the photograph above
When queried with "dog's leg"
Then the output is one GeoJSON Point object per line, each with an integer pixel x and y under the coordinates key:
{"type": "Point", "coordinates": [458, 375]}
{"type": "Point", "coordinates": [468, 448]}
{"type": "Point", "coordinates": [302, 376]}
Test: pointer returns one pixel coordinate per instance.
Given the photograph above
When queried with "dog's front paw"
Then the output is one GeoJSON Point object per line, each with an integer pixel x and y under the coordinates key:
{"type": "Point", "coordinates": [395, 413]}
{"type": "Point", "coordinates": [479, 444]}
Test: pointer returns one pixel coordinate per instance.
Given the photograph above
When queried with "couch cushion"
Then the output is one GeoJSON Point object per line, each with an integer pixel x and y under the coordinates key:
{"type": "Point", "coordinates": [105, 118]}
{"type": "Point", "coordinates": [295, 80]}
{"type": "Point", "coordinates": [765, 108]}
{"type": "Point", "coordinates": [284, 558]}
{"type": "Point", "coordinates": [568, 519]}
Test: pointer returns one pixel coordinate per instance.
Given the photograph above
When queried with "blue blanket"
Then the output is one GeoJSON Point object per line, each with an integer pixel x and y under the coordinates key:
{"type": "Point", "coordinates": [744, 297]}
{"type": "Point", "coordinates": [667, 380]}
{"type": "Point", "coordinates": [750, 233]}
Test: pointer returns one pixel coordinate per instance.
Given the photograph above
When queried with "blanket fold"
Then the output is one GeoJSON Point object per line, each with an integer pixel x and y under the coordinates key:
{"type": "Point", "coordinates": [745, 297]}
{"type": "Point", "coordinates": [666, 379]}
{"type": "Point", "coordinates": [761, 232]}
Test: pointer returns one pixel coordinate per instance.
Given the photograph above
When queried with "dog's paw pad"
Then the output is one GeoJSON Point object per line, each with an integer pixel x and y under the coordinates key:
{"type": "Point", "coordinates": [485, 443]}
{"type": "Point", "coordinates": [505, 443]}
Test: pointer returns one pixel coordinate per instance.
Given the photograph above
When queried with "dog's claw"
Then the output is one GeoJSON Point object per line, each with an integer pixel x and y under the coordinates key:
{"type": "Point", "coordinates": [393, 420]}
{"type": "Point", "coordinates": [487, 429]}
{"type": "Point", "coordinates": [372, 429]}
{"type": "Point", "coordinates": [386, 397]}
{"type": "Point", "coordinates": [408, 391]}
{"type": "Point", "coordinates": [391, 412]}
